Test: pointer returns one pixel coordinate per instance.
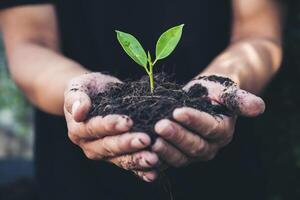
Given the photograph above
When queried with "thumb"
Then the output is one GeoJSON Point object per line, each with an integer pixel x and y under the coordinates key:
{"type": "Point", "coordinates": [78, 104]}
{"type": "Point", "coordinates": [242, 102]}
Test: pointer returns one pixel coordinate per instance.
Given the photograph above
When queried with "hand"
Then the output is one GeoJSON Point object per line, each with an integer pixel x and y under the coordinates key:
{"type": "Point", "coordinates": [205, 134]}
{"type": "Point", "coordinates": [105, 138]}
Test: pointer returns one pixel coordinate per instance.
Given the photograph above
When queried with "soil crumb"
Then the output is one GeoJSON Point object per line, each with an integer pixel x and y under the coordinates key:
{"type": "Point", "coordinates": [145, 109]}
{"type": "Point", "coordinates": [218, 79]}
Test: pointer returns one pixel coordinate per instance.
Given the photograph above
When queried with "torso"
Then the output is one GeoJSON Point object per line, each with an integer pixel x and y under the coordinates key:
{"type": "Point", "coordinates": [87, 36]}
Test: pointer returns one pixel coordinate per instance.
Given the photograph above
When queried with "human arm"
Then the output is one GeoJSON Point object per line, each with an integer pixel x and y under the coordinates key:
{"type": "Point", "coordinates": [251, 60]}
{"type": "Point", "coordinates": [47, 77]}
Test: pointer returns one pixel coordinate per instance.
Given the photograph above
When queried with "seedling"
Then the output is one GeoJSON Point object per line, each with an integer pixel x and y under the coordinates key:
{"type": "Point", "coordinates": [165, 45]}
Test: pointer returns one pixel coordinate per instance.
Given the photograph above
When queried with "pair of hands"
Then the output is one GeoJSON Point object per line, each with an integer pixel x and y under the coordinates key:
{"type": "Point", "coordinates": [109, 138]}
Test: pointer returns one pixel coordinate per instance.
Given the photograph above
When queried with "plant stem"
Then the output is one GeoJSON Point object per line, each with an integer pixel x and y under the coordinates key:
{"type": "Point", "coordinates": [150, 72]}
{"type": "Point", "coordinates": [151, 77]}
{"type": "Point", "coordinates": [151, 83]}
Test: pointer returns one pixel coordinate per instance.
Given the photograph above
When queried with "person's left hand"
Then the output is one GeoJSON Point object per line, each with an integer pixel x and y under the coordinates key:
{"type": "Point", "coordinates": [198, 136]}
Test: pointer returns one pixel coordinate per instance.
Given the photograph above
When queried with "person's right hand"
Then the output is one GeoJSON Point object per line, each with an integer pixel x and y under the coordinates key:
{"type": "Point", "coordinates": [106, 138]}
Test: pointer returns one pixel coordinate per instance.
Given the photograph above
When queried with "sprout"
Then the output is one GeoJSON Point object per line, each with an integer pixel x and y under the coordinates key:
{"type": "Point", "coordinates": [165, 45]}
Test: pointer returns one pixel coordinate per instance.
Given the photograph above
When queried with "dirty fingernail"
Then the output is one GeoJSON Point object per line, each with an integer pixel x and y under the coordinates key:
{"type": "Point", "coordinates": [150, 160]}
{"type": "Point", "coordinates": [75, 106]}
{"type": "Point", "coordinates": [145, 163]}
{"type": "Point", "coordinates": [147, 179]}
{"type": "Point", "coordinates": [148, 163]}
{"type": "Point", "coordinates": [150, 177]}
{"type": "Point", "coordinates": [138, 143]}
{"type": "Point", "coordinates": [124, 123]}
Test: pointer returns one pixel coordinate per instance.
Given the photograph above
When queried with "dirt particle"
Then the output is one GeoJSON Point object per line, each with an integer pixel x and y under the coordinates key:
{"type": "Point", "coordinates": [231, 101]}
{"type": "Point", "coordinates": [218, 79]}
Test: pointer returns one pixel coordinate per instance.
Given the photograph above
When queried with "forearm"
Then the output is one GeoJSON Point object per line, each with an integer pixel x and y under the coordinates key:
{"type": "Point", "coordinates": [250, 62]}
{"type": "Point", "coordinates": [255, 53]}
{"type": "Point", "coordinates": [42, 73]}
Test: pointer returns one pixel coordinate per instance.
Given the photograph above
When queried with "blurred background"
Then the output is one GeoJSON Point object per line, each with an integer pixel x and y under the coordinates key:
{"type": "Point", "coordinates": [16, 139]}
{"type": "Point", "coordinates": [278, 130]}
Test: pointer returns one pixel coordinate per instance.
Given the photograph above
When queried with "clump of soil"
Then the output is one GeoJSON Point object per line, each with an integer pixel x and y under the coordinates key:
{"type": "Point", "coordinates": [226, 82]}
{"type": "Point", "coordinates": [145, 109]}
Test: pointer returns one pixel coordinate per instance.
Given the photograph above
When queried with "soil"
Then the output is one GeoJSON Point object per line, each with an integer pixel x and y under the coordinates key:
{"type": "Point", "coordinates": [135, 100]}
{"type": "Point", "coordinates": [226, 82]}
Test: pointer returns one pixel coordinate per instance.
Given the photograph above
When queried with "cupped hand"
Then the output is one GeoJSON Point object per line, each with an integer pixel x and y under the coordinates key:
{"type": "Point", "coordinates": [106, 137]}
{"type": "Point", "coordinates": [198, 136]}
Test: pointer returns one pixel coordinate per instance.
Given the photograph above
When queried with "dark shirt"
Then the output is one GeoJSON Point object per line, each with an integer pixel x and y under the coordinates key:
{"type": "Point", "coordinates": [88, 37]}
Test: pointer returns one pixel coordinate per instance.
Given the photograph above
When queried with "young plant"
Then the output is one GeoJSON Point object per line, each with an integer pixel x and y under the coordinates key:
{"type": "Point", "coordinates": [165, 45]}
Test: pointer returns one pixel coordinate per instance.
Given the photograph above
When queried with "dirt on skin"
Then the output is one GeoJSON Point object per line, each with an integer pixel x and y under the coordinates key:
{"type": "Point", "coordinates": [135, 100]}
{"type": "Point", "coordinates": [226, 82]}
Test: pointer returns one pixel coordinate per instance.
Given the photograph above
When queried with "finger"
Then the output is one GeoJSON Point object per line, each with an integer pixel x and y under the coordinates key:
{"type": "Point", "coordinates": [169, 154]}
{"type": "Point", "coordinates": [78, 104]}
{"type": "Point", "coordinates": [149, 176]}
{"type": "Point", "coordinates": [208, 127]}
{"type": "Point", "coordinates": [242, 102]}
{"type": "Point", "coordinates": [137, 161]}
{"type": "Point", "coordinates": [189, 143]}
{"type": "Point", "coordinates": [200, 122]}
{"type": "Point", "coordinates": [99, 127]}
{"type": "Point", "coordinates": [225, 130]}
{"type": "Point", "coordinates": [112, 146]}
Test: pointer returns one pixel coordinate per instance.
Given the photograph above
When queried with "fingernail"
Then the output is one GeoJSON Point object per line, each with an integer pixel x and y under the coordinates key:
{"type": "Point", "coordinates": [150, 177]}
{"type": "Point", "coordinates": [148, 163]}
{"type": "Point", "coordinates": [144, 163]}
{"type": "Point", "coordinates": [167, 127]}
{"type": "Point", "coordinates": [138, 143]}
{"type": "Point", "coordinates": [150, 159]}
{"type": "Point", "coordinates": [180, 115]}
{"type": "Point", "coordinates": [141, 141]}
{"type": "Point", "coordinates": [147, 179]}
{"type": "Point", "coordinates": [177, 111]}
{"type": "Point", "coordinates": [123, 123]}
{"type": "Point", "coordinates": [75, 106]}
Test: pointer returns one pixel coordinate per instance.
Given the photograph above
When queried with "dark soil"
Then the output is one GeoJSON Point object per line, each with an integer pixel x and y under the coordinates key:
{"type": "Point", "coordinates": [218, 79]}
{"type": "Point", "coordinates": [145, 109]}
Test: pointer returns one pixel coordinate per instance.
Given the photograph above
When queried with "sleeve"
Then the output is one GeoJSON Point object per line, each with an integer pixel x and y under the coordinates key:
{"type": "Point", "coordinates": [11, 3]}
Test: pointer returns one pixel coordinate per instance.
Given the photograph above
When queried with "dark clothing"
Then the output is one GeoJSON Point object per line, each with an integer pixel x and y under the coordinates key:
{"type": "Point", "coordinates": [87, 36]}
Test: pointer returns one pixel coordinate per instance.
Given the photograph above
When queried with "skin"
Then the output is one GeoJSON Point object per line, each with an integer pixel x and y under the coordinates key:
{"type": "Point", "coordinates": [251, 59]}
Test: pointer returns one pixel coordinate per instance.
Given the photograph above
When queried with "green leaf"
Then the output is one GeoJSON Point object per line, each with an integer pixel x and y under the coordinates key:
{"type": "Point", "coordinates": [133, 48]}
{"type": "Point", "coordinates": [168, 41]}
